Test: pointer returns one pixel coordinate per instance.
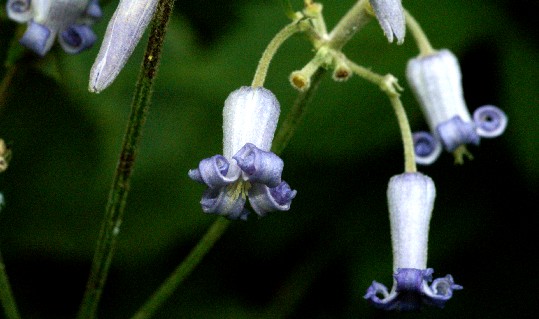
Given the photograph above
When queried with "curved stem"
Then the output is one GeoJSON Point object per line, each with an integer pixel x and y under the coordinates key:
{"type": "Point", "coordinates": [185, 268]}
{"type": "Point", "coordinates": [389, 84]}
{"type": "Point", "coordinates": [6, 295]}
{"type": "Point", "coordinates": [110, 229]}
{"type": "Point", "coordinates": [425, 48]}
{"type": "Point", "coordinates": [271, 49]}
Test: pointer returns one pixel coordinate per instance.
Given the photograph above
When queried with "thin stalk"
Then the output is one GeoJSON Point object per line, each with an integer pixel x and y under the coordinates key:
{"type": "Point", "coordinates": [183, 270]}
{"type": "Point", "coordinates": [390, 86]}
{"type": "Point", "coordinates": [351, 23]}
{"type": "Point", "coordinates": [114, 212]}
{"type": "Point", "coordinates": [6, 294]}
{"type": "Point", "coordinates": [425, 48]}
{"type": "Point", "coordinates": [271, 49]}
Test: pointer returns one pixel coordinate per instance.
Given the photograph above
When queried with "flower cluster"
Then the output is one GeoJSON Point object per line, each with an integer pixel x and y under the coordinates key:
{"type": "Point", "coordinates": [247, 168]}
{"type": "Point", "coordinates": [436, 82]}
{"type": "Point", "coordinates": [411, 200]}
{"type": "Point", "coordinates": [70, 20]}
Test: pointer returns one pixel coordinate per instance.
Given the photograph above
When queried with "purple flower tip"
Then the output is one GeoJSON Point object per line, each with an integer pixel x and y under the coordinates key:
{"type": "Point", "coordinates": [426, 148]}
{"type": "Point", "coordinates": [411, 290]}
{"type": "Point", "coordinates": [490, 121]}
{"type": "Point", "coordinates": [455, 132]}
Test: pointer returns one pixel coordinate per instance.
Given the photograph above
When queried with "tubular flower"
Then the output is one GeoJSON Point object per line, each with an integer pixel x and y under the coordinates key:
{"type": "Point", "coordinates": [436, 82]}
{"type": "Point", "coordinates": [410, 200]}
{"type": "Point", "coordinates": [247, 168]}
{"type": "Point", "coordinates": [69, 19]}
{"type": "Point", "coordinates": [390, 15]}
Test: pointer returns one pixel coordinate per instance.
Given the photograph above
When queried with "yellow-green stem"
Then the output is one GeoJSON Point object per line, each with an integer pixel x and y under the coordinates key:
{"type": "Point", "coordinates": [6, 295]}
{"type": "Point", "coordinates": [352, 22]}
{"type": "Point", "coordinates": [271, 49]}
{"type": "Point", "coordinates": [425, 48]}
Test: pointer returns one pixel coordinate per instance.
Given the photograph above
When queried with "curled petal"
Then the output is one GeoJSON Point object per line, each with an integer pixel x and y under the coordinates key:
{"type": "Point", "coordinates": [19, 10]}
{"type": "Point", "coordinates": [215, 172]}
{"type": "Point", "coordinates": [411, 291]}
{"type": "Point", "coordinates": [219, 201]}
{"type": "Point", "coordinates": [37, 38]}
{"type": "Point", "coordinates": [264, 199]}
{"type": "Point", "coordinates": [260, 166]}
{"type": "Point", "coordinates": [250, 115]}
{"type": "Point", "coordinates": [390, 15]}
{"type": "Point", "coordinates": [456, 132]}
{"type": "Point", "coordinates": [93, 11]}
{"type": "Point", "coordinates": [122, 36]}
{"type": "Point", "coordinates": [426, 148]}
{"type": "Point", "coordinates": [77, 38]}
{"type": "Point", "coordinates": [490, 121]}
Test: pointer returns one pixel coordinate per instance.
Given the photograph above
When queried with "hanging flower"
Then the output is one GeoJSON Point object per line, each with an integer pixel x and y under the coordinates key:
{"type": "Point", "coordinates": [247, 168]}
{"type": "Point", "coordinates": [390, 15]}
{"type": "Point", "coordinates": [436, 82]}
{"type": "Point", "coordinates": [411, 200]}
{"type": "Point", "coordinates": [70, 20]}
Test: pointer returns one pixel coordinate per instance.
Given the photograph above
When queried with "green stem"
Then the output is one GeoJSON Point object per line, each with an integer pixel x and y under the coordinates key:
{"type": "Point", "coordinates": [351, 23]}
{"type": "Point", "coordinates": [390, 86]}
{"type": "Point", "coordinates": [114, 212]}
{"type": "Point", "coordinates": [6, 294]}
{"type": "Point", "coordinates": [271, 49]}
{"type": "Point", "coordinates": [185, 268]}
{"type": "Point", "coordinates": [295, 115]}
{"type": "Point", "coordinates": [425, 48]}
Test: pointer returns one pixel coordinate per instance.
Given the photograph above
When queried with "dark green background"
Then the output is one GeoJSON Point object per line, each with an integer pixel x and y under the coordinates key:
{"type": "Point", "coordinates": [317, 260]}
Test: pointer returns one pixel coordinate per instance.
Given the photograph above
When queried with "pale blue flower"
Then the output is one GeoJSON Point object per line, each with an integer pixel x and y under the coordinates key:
{"type": "Point", "coordinates": [435, 80]}
{"type": "Point", "coordinates": [411, 200]}
{"type": "Point", "coordinates": [247, 168]}
{"type": "Point", "coordinates": [69, 20]}
{"type": "Point", "coordinates": [390, 15]}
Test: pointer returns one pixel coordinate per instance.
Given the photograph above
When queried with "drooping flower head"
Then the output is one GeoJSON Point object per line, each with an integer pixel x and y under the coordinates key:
{"type": "Point", "coordinates": [70, 20]}
{"type": "Point", "coordinates": [390, 15]}
{"type": "Point", "coordinates": [247, 168]}
{"type": "Point", "coordinates": [411, 200]}
{"type": "Point", "coordinates": [436, 82]}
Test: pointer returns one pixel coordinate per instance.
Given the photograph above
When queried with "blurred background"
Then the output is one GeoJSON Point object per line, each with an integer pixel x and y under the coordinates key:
{"type": "Point", "coordinates": [317, 260]}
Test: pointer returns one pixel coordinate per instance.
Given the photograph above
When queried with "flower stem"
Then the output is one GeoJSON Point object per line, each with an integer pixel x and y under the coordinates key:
{"type": "Point", "coordinates": [425, 48]}
{"type": "Point", "coordinates": [183, 270]}
{"type": "Point", "coordinates": [352, 21]}
{"type": "Point", "coordinates": [114, 212]}
{"type": "Point", "coordinates": [295, 115]}
{"type": "Point", "coordinates": [271, 49]}
{"type": "Point", "coordinates": [389, 84]}
{"type": "Point", "coordinates": [6, 295]}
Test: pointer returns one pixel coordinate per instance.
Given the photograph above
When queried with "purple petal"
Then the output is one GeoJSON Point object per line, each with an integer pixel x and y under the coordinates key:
{"type": "Point", "coordinates": [260, 166]}
{"type": "Point", "coordinates": [390, 15]}
{"type": "Point", "coordinates": [19, 10]}
{"type": "Point", "coordinates": [94, 10]}
{"type": "Point", "coordinates": [37, 38]}
{"type": "Point", "coordinates": [264, 199]}
{"type": "Point", "coordinates": [218, 201]}
{"type": "Point", "coordinates": [426, 147]}
{"type": "Point", "coordinates": [455, 132]}
{"type": "Point", "coordinates": [76, 38]}
{"type": "Point", "coordinates": [411, 291]}
{"type": "Point", "coordinates": [213, 172]}
{"type": "Point", "coordinates": [490, 121]}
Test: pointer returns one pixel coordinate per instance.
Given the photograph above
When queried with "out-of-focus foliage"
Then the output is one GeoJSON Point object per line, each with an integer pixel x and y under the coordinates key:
{"type": "Point", "coordinates": [316, 260]}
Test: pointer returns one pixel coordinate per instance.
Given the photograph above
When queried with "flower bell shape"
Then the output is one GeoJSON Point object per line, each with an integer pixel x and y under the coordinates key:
{"type": "Point", "coordinates": [410, 200]}
{"type": "Point", "coordinates": [436, 82]}
{"type": "Point", "coordinates": [70, 20]}
{"type": "Point", "coordinates": [247, 168]}
{"type": "Point", "coordinates": [122, 36]}
{"type": "Point", "coordinates": [390, 15]}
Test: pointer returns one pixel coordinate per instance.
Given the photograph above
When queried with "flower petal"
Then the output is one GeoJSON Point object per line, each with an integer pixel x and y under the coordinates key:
{"type": "Point", "coordinates": [76, 38]}
{"type": "Point", "coordinates": [37, 38]}
{"type": "Point", "coordinates": [264, 199]}
{"type": "Point", "coordinates": [218, 201]}
{"type": "Point", "coordinates": [426, 148]}
{"type": "Point", "coordinates": [390, 15]}
{"type": "Point", "coordinates": [490, 121]}
{"type": "Point", "coordinates": [19, 10]}
{"type": "Point", "coordinates": [259, 166]}
{"type": "Point", "coordinates": [455, 132]}
{"type": "Point", "coordinates": [215, 172]}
